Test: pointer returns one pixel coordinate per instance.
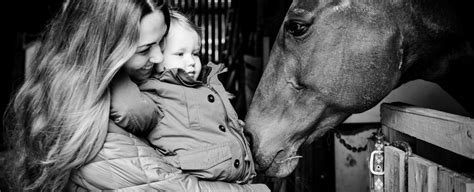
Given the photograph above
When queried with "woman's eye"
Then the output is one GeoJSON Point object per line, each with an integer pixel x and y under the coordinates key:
{"type": "Point", "coordinates": [144, 51]}
{"type": "Point", "coordinates": [180, 54]}
{"type": "Point", "coordinates": [296, 28]}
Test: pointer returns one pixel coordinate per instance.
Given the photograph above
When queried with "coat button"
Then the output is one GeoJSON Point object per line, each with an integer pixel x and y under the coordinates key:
{"type": "Point", "coordinates": [222, 128]}
{"type": "Point", "coordinates": [236, 163]}
{"type": "Point", "coordinates": [210, 98]}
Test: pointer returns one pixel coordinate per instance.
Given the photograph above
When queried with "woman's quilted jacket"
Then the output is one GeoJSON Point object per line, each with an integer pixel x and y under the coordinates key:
{"type": "Point", "coordinates": [127, 163]}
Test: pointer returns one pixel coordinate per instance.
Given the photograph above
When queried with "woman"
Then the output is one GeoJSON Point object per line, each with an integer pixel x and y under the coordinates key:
{"type": "Point", "coordinates": [64, 138]}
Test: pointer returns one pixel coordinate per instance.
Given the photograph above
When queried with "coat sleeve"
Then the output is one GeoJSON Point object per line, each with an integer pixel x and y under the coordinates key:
{"type": "Point", "coordinates": [175, 183]}
{"type": "Point", "coordinates": [183, 182]}
{"type": "Point", "coordinates": [131, 109]}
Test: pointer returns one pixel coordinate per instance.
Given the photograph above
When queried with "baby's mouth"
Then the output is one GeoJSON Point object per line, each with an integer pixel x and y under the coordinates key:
{"type": "Point", "coordinates": [191, 73]}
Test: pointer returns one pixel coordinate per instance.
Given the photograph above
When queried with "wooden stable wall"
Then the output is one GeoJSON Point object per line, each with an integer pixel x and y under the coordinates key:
{"type": "Point", "coordinates": [442, 146]}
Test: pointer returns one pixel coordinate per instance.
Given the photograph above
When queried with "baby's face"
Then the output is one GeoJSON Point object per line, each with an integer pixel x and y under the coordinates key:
{"type": "Point", "coordinates": [181, 50]}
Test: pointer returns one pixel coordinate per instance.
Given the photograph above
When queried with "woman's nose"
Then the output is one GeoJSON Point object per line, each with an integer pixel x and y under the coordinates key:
{"type": "Point", "coordinates": [156, 56]}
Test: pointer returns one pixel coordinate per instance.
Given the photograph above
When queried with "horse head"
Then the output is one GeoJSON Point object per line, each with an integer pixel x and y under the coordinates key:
{"type": "Point", "coordinates": [333, 58]}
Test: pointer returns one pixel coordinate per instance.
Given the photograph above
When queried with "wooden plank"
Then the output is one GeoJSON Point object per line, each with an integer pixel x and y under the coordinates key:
{"type": "Point", "coordinates": [394, 167]}
{"type": "Point", "coordinates": [422, 175]}
{"type": "Point", "coordinates": [452, 132]}
{"type": "Point", "coordinates": [449, 180]}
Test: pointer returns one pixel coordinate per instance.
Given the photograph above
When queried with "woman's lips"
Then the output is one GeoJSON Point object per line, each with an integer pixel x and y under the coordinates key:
{"type": "Point", "coordinates": [147, 67]}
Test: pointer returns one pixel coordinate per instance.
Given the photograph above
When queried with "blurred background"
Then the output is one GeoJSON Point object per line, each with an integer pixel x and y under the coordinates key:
{"type": "Point", "coordinates": [239, 34]}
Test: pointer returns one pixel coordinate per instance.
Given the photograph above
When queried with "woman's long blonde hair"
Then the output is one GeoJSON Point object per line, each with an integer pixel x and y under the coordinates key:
{"type": "Point", "coordinates": [59, 116]}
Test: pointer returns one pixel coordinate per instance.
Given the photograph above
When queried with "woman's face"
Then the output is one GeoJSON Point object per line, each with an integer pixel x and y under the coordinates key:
{"type": "Point", "coordinates": [148, 53]}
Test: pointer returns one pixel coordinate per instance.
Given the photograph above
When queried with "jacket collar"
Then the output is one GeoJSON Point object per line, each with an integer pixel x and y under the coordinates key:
{"type": "Point", "coordinates": [180, 77]}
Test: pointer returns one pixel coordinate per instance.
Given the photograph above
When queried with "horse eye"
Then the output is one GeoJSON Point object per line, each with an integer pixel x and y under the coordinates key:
{"type": "Point", "coordinates": [298, 87]}
{"type": "Point", "coordinates": [296, 28]}
{"type": "Point", "coordinates": [295, 85]}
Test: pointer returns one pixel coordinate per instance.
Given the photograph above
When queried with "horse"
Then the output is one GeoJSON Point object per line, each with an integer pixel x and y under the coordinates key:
{"type": "Point", "coordinates": [334, 58]}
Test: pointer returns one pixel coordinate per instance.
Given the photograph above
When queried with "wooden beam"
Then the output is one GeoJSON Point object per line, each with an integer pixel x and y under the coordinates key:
{"type": "Point", "coordinates": [452, 132]}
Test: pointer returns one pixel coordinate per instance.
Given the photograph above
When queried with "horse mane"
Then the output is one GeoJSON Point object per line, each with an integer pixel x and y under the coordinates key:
{"type": "Point", "coordinates": [440, 49]}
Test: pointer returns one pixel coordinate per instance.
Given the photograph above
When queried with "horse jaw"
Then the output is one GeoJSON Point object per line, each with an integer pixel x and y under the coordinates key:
{"type": "Point", "coordinates": [281, 119]}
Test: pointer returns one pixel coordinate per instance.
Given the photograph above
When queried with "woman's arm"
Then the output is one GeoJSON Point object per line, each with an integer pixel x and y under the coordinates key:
{"type": "Point", "coordinates": [131, 109]}
{"type": "Point", "coordinates": [183, 182]}
{"type": "Point", "coordinates": [127, 163]}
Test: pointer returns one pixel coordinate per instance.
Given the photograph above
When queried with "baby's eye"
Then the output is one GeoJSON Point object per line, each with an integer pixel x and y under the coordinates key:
{"type": "Point", "coordinates": [197, 54]}
{"type": "Point", "coordinates": [180, 54]}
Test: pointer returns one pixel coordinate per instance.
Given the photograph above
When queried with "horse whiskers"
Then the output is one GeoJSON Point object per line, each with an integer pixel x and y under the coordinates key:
{"type": "Point", "coordinates": [290, 158]}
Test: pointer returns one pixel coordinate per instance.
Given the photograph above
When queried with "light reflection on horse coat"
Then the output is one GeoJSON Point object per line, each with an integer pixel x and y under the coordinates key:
{"type": "Point", "coordinates": [335, 58]}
